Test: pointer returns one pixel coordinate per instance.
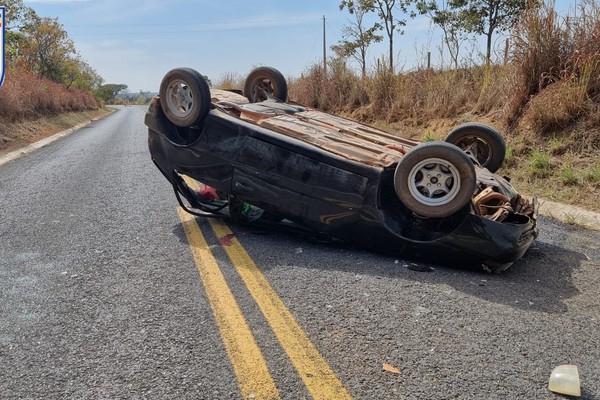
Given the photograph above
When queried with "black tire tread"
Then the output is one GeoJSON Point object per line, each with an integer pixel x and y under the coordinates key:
{"type": "Point", "coordinates": [199, 88]}
{"type": "Point", "coordinates": [490, 135]}
{"type": "Point", "coordinates": [277, 79]}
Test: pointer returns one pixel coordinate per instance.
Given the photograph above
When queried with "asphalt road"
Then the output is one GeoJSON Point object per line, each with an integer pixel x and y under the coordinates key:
{"type": "Point", "coordinates": [101, 296]}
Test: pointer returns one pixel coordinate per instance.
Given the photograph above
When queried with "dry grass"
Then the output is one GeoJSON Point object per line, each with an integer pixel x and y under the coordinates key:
{"type": "Point", "coordinates": [338, 91]}
{"type": "Point", "coordinates": [415, 97]}
{"type": "Point", "coordinates": [557, 69]}
{"type": "Point", "coordinates": [228, 81]}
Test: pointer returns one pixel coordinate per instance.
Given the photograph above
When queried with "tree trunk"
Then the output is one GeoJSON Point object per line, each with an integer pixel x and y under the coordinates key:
{"type": "Point", "coordinates": [392, 52]}
{"type": "Point", "coordinates": [488, 55]}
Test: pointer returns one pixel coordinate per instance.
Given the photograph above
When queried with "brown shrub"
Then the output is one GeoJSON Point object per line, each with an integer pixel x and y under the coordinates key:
{"type": "Point", "coordinates": [493, 95]}
{"type": "Point", "coordinates": [309, 87]}
{"type": "Point", "coordinates": [230, 80]}
{"type": "Point", "coordinates": [24, 95]}
{"type": "Point", "coordinates": [415, 97]}
{"type": "Point", "coordinates": [587, 137]}
{"type": "Point", "coordinates": [382, 89]}
{"type": "Point", "coordinates": [419, 96]}
{"type": "Point", "coordinates": [556, 107]}
{"type": "Point", "coordinates": [338, 90]}
{"type": "Point", "coordinates": [547, 49]}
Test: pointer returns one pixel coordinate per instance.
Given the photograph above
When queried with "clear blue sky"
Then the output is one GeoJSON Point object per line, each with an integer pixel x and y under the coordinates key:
{"type": "Point", "coordinates": [136, 42]}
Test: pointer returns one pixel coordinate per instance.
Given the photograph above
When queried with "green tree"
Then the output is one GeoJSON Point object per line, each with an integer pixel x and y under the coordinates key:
{"type": "Point", "coordinates": [386, 11]}
{"type": "Point", "coordinates": [481, 17]}
{"type": "Point", "coordinates": [42, 46]}
{"type": "Point", "coordinates": [356, 37]}
{"type": "Point", "coordinates": [144, 97]}
{"type": "Point", "coordinates": [78, 74]}
{"type": "Point", "coordinates": [109, 91]}
{"type": "Point", "coordinates": [48, 49]}
{"type": "Point", "coordinates": [440, 15]}
{"type": "Point", "coordinates": [17, 16]}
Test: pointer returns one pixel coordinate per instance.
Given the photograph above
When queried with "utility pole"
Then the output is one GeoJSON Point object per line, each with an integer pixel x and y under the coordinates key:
{"type": "Point", "coordinates": [324, 49]}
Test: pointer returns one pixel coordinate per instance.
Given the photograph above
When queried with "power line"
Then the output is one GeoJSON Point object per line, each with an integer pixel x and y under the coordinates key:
{"type": "Point", "coordinates": [279, 22]}
{"type": "Point", "coordinates": [158, 32]}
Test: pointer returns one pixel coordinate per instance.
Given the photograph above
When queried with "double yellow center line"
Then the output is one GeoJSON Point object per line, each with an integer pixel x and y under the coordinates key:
{"type": "Point", "coordinates": [248, 362]}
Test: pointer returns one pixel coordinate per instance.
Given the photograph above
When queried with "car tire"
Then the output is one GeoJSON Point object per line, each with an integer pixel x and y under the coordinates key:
{"type": "Point", "coordinates": [484, 142]}
{"type": "Point", "coordinates": [184, 97]}
{"type": "Point", "coordinates": [435, 179]}
{"type": "Point", "coordinates": [268, 79]}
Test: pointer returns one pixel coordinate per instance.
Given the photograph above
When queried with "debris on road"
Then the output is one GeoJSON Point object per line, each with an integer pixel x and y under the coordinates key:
{"type": "Point", "coordinates": [564, 379]}
{"type": "Point", "coordinates": [390, 368]}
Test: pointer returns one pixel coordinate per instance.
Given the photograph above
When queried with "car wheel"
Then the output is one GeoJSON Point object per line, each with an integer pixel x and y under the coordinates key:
{"type": "Point", "coordinates": [263, 82]}
{"type": "Point", "coordinates": [435, 179]}
{"type": "Point", "coordinates": [483, 141]}
{"type": "Point", "coordinates": [184, 97]}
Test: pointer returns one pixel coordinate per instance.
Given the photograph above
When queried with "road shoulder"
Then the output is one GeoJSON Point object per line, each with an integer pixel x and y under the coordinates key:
{"type": "Point", "coordinates": [13, 155]}
{"type": "Point", "coordinates": [571, 215]}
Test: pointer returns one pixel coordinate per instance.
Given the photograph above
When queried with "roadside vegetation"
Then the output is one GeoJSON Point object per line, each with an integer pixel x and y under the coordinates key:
{"type": "Point", "coordinates": [24, 95]}
{"type": "Point", "coordinates": [544, 95]}
{"type": "Point", "coordinates": [47, 83]}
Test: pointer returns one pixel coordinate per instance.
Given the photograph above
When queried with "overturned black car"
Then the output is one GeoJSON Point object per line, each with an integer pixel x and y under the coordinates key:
{"type": "Point", "coordinates": [300, 167]}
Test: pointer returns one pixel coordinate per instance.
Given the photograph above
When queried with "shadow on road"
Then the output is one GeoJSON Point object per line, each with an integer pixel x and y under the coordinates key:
{"type": "Point", "coordinates": [541, 281]}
